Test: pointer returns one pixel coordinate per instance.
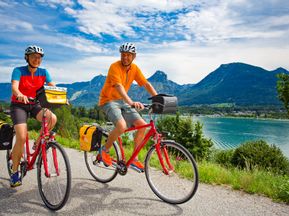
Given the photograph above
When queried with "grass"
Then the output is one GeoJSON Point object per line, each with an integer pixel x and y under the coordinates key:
{"type": "Point", "coordinates": [258, 182]}
{"type": "Point", "coordinates": [253, 182]}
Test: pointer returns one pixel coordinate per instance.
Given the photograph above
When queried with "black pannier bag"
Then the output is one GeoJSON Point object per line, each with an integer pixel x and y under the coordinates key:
{"type": "Point", "coordinates": [164, 104]}
{"type": "Point", "coordinates": [6, 136]}
{"type": "Point", "coordinates": [52, 96]}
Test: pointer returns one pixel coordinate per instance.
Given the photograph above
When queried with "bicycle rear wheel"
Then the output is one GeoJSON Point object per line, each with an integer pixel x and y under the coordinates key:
{"type": "Point", "coordinates": [54, 189]}
{"type": "Point", "coordinates": [181, 183]}
{"type": "Point", "coordinates": [9, 161]}
{"type": "Point", "coordinates": [8, 157]}
{"type": "Point", "coordinates": [95, 166]}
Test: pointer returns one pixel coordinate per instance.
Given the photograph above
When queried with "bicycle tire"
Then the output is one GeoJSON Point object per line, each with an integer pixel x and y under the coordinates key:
{"type": "Point", "coordinates": [8, 159]}
{"type": "Point", "coordinates": [180, 185]}
{"type": "Point", "coordinates": [55, 189]}
{"type": "Point", "coordinates": [9, 162]}
{"type": "Point", "coordinates": [95, 166]}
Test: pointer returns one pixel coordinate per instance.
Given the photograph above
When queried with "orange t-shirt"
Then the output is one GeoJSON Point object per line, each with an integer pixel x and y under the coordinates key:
{"type": "Point", "coordinates": [117, 75]}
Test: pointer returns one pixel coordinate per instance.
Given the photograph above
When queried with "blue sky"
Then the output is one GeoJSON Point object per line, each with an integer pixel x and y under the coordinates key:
{"type": "Point", "coordinates": [185, 39]}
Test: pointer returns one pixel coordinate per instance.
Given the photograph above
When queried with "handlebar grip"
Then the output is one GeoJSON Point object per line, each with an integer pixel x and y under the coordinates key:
{"type": "Point", "coordinates": [31, 99]}
{"type": "Point", "coordinates": [146, 106]}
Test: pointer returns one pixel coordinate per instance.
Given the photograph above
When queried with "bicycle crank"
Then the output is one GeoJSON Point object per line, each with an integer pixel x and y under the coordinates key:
{"type": "Point", "coordinates": [23, 168]}
{"type": "Point", "coordinates": [121, 168]}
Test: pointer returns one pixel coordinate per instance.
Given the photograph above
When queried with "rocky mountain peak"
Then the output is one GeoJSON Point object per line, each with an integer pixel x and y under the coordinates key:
{"type": "Point", "coordinates": [158, 76]}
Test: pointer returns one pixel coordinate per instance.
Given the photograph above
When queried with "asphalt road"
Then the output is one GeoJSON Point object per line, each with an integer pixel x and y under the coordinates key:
{"type": "Point", "coordinates": [126, 195]}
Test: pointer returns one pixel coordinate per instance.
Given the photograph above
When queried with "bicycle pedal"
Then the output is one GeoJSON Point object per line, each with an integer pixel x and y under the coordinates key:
{"type": "Point", "coordinates": [136, 169]}
{"type": "Point", "coordinates": [114, 165]}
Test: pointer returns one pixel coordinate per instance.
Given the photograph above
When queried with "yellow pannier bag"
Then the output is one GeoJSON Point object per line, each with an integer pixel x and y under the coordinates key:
{"type": "Point", "coordinates": [90, 137]}
{"type": "Point", "coordinates": [52, 96]}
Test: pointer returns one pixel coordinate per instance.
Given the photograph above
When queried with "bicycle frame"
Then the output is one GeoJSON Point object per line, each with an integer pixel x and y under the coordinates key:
{"type": "Point", "coordinates": [157, 137]}
{"type": "Point", "coordinates": [44, 136]}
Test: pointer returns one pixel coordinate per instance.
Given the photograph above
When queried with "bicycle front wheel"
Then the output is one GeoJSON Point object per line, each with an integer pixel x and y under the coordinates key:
{"type": "Point", "coordinates": [96, 167]}
{"type": "Point", "coordinates": [181, 182]}
{"type": "Point", "coordinates": [55, 188]}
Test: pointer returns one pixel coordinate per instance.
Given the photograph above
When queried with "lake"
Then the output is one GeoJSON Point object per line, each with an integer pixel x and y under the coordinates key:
{"type": "Point", "coordinates": [231, 132]}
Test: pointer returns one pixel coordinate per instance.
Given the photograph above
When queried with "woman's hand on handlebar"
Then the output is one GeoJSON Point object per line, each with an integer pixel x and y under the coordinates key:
{"type": "Point", "coordinates": [23, 98]}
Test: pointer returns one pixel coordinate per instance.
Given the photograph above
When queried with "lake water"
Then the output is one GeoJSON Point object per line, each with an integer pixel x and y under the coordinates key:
{"type": "Point", "coordinates": [231, 132]}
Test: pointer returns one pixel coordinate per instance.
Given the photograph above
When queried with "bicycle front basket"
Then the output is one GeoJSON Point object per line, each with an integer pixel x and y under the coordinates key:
{"type": "Point", "coordinates": [52, 96]}
{"type": "Point", "coordinates": [163, 104]}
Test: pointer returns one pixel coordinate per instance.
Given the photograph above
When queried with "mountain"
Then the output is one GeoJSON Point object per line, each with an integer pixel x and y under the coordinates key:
{"type": "Point", "coordinates": [85, 93]}
{"type": "Point", "coordinates": [5, 91]}
{"type": "Point", "coordinates": [237, 83]}
{"type": "Point", "coordinates": [160, 82]}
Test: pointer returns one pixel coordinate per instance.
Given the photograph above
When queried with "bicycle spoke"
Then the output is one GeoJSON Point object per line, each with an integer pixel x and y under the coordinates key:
{"type": "Point", "coordinates": [55, 188]}
{"type": "Point", "coordinates": [96, 167]}
{"type": "Point", "coordinates": [180, 183]}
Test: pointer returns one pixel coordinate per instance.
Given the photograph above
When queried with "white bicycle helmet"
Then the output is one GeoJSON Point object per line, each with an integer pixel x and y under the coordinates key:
{"type": "Point", "coordinates": [34, 49]}
{"type": "Point", "coordinates": [127, 47]}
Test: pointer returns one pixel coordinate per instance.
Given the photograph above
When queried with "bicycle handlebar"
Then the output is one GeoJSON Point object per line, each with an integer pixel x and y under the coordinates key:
{"type": "Point", "coordinates": [146, 106]}
{"type": "Point", "coordinates": [30, 99]}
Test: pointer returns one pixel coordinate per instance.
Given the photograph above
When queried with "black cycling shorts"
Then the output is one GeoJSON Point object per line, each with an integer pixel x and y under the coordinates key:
{"type": "Point", "coordinates": [20, 112]}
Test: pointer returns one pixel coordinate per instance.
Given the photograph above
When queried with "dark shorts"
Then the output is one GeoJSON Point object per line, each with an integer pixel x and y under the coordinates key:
{"type": "Point", "coordinates": [20, 112]}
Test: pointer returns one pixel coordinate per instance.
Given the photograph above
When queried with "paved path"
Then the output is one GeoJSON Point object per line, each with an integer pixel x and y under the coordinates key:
{"type": "Point", "coordinates": [127, 195]}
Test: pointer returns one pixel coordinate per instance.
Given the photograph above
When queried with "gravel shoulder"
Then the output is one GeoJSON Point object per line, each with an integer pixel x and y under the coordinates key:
{"type": "Point", "coordinates": [127, 195]}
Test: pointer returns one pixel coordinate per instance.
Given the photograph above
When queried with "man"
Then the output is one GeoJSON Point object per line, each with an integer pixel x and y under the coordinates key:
{"type": "Point", "coordinates": [25, 82]}
{"type": "Point", "coordinates": [116, 103]}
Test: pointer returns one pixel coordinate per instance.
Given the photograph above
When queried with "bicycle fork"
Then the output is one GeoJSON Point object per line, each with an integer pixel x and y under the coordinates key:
{"type": "Point", "coordinates": [162, 151]}
{"type": "Point", "coordinates": [54, 156]}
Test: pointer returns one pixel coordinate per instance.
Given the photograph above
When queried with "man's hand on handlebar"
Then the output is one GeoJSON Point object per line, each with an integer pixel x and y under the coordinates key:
{"type": "Point", "coordinates": [138, 105]}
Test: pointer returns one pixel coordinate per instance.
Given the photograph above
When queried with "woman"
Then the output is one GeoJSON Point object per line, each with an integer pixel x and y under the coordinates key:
{"type": "Point", "coordinates": [25, 82]}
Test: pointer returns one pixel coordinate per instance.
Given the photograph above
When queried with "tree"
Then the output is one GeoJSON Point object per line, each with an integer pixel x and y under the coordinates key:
{"type": "Point", "coordinates": [283, 89]}
{"type": "Point", "coordinates": [66, 123]}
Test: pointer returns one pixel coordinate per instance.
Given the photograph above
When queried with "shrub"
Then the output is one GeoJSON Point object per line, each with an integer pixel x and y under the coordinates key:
{"type": "Point", "coordinates": [223, 157]}
{"type": "Point", "coordinates": [283, 190]}
{"type": "Point", "coordinates": [66, 123]}
{"type": "Point", "coordinates": [33, 124]}
{"type": "Point", "coordinates": [258, 154]}
{"type": "Point", "coordinates": [187, 133]}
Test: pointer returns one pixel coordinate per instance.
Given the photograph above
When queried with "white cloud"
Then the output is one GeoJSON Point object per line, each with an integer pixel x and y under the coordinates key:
{"type": "Point", "coordinates": [10, 24]}
{"type": "Point", "coordinates": [185, 39]}
{"type": "Point", "coordinates": [55, 3]}
{"type": "Point", "coordinates": [118, 18]}
{"type": "Point", "coordinates": [187, 63]}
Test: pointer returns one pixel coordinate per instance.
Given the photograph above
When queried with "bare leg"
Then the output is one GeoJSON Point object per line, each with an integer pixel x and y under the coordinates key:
{"type": "Point", "coordinates": [120, 127]}
{"type": "Point", "coordinates": [21, 133]}
{"type": "Point", "coordinates": [139, 134]}
{"type": "Point", "coordinates": [52, 119]}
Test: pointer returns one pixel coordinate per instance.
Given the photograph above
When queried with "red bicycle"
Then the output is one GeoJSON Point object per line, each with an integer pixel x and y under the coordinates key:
{"type": "Point", "coordinates": [53, 167]}
{"type": "Point", "coordinates": [170, 169]}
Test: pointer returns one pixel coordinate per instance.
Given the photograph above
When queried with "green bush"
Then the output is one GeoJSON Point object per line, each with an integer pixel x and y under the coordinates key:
{"type": "Point", "coordinates": [187, 133]}
{"type": "Point", "coordinates": [283, 190]}
{"type": "Point", "coordinates": [66, 123]}
{"type": "Point", "coordinates": [33, 124]}
{"type": "Point", "coordinates": [258, 154]}
{"type": "Point", "coordinates": [223, 157]}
